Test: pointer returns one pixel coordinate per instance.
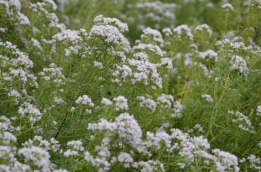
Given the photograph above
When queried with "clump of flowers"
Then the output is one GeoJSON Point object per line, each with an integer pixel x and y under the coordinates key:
{"type": "Point", "coordinates": [149, 89]}
{"type": "Point", "coordinates": [239, 64]}
{"type": "Point", "coordinates": [243, 121]}
{"type": "Point", "coordinates": [207, 97]}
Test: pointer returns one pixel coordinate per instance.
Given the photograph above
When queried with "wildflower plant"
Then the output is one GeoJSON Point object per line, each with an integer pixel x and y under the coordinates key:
{"type": "Point", "coordinates": [138, 86]}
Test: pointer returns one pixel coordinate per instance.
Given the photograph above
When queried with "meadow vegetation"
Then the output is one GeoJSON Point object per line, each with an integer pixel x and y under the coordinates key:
{"type": "Point", "coordinates": [130, 85]}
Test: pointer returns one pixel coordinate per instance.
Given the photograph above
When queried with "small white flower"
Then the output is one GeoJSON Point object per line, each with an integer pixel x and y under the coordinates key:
{"type": "Point", "coordinates": [207, 97]}
{"type": "Point", "coordinates": [97, 64]}
{"type": "Point", "coordinates": [258, 110]}
{"type": "Point", "coordinates": [228, 6]}
{"type": "Point", "coordinates": [70, 153]}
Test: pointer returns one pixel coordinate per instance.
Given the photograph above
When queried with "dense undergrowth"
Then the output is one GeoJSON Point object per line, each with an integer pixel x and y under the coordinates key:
{"type": "Point", "coordinates": [130, 85]}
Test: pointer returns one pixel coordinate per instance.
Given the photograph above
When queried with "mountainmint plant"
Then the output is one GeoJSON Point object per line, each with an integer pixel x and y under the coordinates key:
{"type": "Point", "coordinates": [141, 85]}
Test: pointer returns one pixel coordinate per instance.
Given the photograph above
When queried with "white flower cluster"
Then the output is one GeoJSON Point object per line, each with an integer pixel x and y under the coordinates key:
{"type": "Point", "coordinates": [27, 109]}
{"type": "Point", "coordinates": [86, 102]}
{"type": "Point", "coordinates": [111, 21]}
{"type": "Point", "coordinates": [167, 103]}
{"type": "Point", "coordinates": [226, 161]}
{"type": "Point", "coordinates": [12, 10]}
{"type": "Point", "coordinates": [151, 41]}
{"type": "Point", "coordinates": [239, 64]}
{"type": "Point", "coordinates": [125, 159]}
{"type": "Point", "coordinates": [206, 71]}
{"type": "Point", "coordinates": [178, 109]}
{"type": "Point", "coordinates": [72, 38]}
{"type": "Point", "coordinates": [75, 147]}
{"type": "Point", "coordinates": [146, 73]}
{"type": "Point", "coordinates": [183, 30]}
{"type": "Point", "coordinates": [207, 97]}
{"type": "Point", "coordinates": [197, 127]}
{"type": "Point", "coordinates": [193, 147]}
{"type": "Point", "coordinates": [150, 48]}
{"type": "Point", "coordinates": [100, 161]}
{"type": "Point", "coordinates": [167, 32]}
{"type": "Point", "coordinates": [106, 102]}
{"type": "Point", "coordinates": [111, 31]}
{"type": "Point", "coordinates": [209, 55]}
{"type": "Point", "coordinates": [53, 74]}
{"type": "Point", "coordinates": [52, 145]}
{"type": "Point", "coordinates": [19, 65]}
{"type": "Point", "coordinates": [255, 162]}
{"type": "Point", "coordinates": [228, 6]}
{"type": "Point", "coordinates": [257, 3]}
{"type": "Point", "coordinates": [58, 100]}
{"type": "Point", "coordinates": [258, 111]}
{"type": "Point", "coordinates": [235, 45]}
{"type": "Point", "coordinates": [126, 128]}
{"type": "Point", "coordinates": [243, 121]}
{"type": "Point", "coordinates": [146, 63]}
{"type": "Point", "coordinates": [27, 158]}
{"type": "Point", "coordinates": [204, 27]}
{"type": "Point", "coordinates": [121, 73]}
{"type": "Point", "coordinates": [68, 35]}
{"type": "Point", "coordinates": [17, 77]}
{"type": "Point", "coordinates": [153, 12]}
{"type": "Point", "coordinates": [149, 60]}
{"type": "Point", "coordinates": [46, 8]}
{"type": "Point", "coordinates": [155, 35]}
{"type": "Point", "coordinates": [125, 125]}
{"type": "Point", "coordinates": [7, 148]}
{"type": "Point", "coordinates": [37, 156]}
{"type": "Point", "coordinates": [5, 125]}
{"type": "Point", "coordinates": [97, 64]}
{"type": "Point", "coordinates": [168, 63]}
{"type": "Point", "coordinates": [121, 103]}
{"type": "Point", "coordinates": [37, 44]}
{"type": "Point", "coordinates": [129, 133]}
{"type": "Point", "coordinates": [2, 30]}
{"type": "Point", "coordinates": [147, 102]}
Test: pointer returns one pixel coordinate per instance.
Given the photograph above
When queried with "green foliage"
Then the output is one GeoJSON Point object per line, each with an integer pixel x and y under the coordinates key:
{"type": "Point", "coordinates": [154, 85]}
